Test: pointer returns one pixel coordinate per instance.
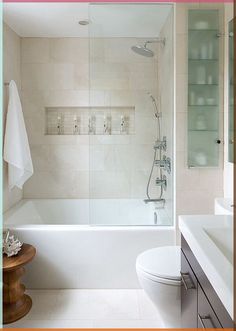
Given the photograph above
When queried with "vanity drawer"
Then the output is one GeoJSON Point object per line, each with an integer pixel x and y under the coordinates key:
{"type": "Point", "coordinates": [206, 315]}
{"type": "Point", "coordinates": [203, 283]}
{"type": "Point", "coordinates": [188, 295]}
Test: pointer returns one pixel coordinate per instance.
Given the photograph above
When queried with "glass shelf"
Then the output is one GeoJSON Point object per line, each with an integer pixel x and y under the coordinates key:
{"type": "Point", "coordinates": [203, 130]}
{"type": "Point", "coordinates": [203, 59]}
{"type": "Point", "coordinates": [190, 105]}
{"type": "Point", "coordinates": [203, 88]}
{"type": "Point", "coordinates": [203, 84]}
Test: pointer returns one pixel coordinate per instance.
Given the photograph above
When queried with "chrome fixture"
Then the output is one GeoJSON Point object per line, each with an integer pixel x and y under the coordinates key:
{"type": "Point", "coordinates": [155, 218]}
{"type": "Point", "coordinates": [157, 154]}
{"type": "Point", "coordinates": [164, 164]}
{"type": "Point", "coordinates": [84, 22]}
{"type": "Point", "coordinates": [162, 182]}
{"type": "Point", "coordinates": [144, 51]}
{"type": "Point", "coordinates": [157, 113]}
{"type": "Point", "coordinates": [154, 200]}
{"type": "Point", "coordinates": [161, 144]}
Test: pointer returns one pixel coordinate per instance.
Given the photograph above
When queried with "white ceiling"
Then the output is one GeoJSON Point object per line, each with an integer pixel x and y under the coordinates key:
{"type": "Point", "coordinates": [106, 20]}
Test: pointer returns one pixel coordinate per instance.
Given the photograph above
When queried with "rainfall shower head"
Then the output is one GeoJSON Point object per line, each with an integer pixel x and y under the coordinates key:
{"type": "Point", "coordinates": [144, 51]}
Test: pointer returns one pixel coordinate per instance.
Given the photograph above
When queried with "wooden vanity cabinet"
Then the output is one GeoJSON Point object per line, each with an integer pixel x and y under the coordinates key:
{"type": "Point", "coordinates": [188, 295]}
{"type": "Point", "coordinates": [206, 315]}
{"type": "Point", "coordinates": [200, 305]}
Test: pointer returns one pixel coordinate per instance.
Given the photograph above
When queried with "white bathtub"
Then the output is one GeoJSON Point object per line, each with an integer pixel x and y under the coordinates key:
{"type": "Point", "coordinates": [71, 254]}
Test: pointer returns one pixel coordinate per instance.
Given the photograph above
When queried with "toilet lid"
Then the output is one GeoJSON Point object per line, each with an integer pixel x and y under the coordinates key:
{"type": "Point", "coordinates": [163, 262]}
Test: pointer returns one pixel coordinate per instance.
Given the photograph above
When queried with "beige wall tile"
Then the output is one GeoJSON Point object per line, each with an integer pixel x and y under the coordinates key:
{"type": "Point", "coordinates": [69, 50]}
{"type": "Point", "coordinates": [11, 70]}
{"type": "Point", "coordinates": [68, 76]}
{"type": "Point", "coordinates": [181, 54]}
{"type": "Point", "coordinates": [109, 184]}
{"type": "Point", "coordinates": [35, 50]}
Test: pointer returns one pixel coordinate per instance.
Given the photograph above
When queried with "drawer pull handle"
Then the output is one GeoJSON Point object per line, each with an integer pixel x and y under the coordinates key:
{"type": "Point", "coordinates": [205, 318]}
{"type": "Point", "coordinates": [186, 286]}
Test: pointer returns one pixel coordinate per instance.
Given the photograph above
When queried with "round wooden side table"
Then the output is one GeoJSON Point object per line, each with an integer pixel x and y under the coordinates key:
{"type": "Point", "coordinates": [16, 303]}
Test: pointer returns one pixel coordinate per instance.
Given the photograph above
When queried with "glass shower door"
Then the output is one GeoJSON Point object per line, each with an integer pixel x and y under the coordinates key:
{"type": "Point", "coordinates": [122, 117]}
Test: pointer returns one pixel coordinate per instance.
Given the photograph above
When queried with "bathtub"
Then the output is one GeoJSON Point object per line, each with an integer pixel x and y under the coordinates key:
{"type": "Point", "coordinates": [73, 254]}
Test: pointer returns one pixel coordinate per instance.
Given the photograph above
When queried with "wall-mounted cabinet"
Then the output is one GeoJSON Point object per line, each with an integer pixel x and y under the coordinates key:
{"type": "Point", "coordinates": [203, 88]}
{"type": "Point", "coordinates": [231, 93]}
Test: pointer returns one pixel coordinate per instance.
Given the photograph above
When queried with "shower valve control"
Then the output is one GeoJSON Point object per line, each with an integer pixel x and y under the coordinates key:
{"type": "Point", "coordinates": [161, 144]}
{"type": "Point", "coordinates": [162, 182]}
{"type": "Point", "coordinates": [164, 164]}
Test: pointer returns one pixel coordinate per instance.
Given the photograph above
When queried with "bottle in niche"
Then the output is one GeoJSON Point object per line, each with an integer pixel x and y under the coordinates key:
{"type": "Point", "coordinates": [106, 125]}
{"type": "Point", "coordinates": [123, 124]}
{"type": "Point", "coordinates": [59, 124]}
{"type": "Point", "coordinates": [92, 125]}
{"type": "Point", "coordinates": [76, 125]}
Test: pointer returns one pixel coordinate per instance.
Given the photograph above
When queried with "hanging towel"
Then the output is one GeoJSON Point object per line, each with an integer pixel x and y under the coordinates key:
{"type": "Point", "coordinates": [16, 144]}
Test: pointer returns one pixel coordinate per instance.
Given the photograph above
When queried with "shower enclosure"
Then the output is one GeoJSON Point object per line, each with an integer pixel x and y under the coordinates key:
{"type": "Point", "coordinates": [98, 104]}
{"type": "Point", "coordinates": [131, 108]}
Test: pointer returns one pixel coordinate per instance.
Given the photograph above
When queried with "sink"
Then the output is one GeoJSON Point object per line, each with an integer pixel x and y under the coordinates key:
{"type": "Point", "coordinates": [223, 206]}
{"type": "Point", "coordinates": [224, 243]}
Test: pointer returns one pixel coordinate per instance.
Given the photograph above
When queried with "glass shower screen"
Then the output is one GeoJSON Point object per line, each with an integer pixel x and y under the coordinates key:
{"type": "Point", "coordinates": [129, 45]}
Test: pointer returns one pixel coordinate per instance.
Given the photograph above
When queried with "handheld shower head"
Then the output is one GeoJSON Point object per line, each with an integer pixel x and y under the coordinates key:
{"type": "Point", "coordinates": [157, 113]}
{"type": "Point", "coordinates": [151, 97]}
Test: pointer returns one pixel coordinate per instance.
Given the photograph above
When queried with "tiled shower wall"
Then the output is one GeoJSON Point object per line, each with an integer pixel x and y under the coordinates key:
{"type": "Point", "coordinates": [56, 73]}
{"type": "Point", "coordinates": [12, 65]}
{"type": "Point", "coordinates": [196, 188]}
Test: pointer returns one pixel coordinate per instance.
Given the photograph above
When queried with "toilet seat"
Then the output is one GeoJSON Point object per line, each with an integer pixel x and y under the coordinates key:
{"type": "Point", "coordinates": [161, 264]}
{"type": "Point", "coordinates": [156, 279]}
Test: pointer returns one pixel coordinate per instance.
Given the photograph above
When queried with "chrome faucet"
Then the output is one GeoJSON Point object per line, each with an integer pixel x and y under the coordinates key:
{"type": "Point", "coordinates": [164, 164]}
{"type": "Point", "coordinates": [155, 218]}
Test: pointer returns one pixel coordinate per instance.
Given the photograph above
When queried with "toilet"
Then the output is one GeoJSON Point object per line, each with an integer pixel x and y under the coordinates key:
{"type": "Point", "coordinates": [158, 271]}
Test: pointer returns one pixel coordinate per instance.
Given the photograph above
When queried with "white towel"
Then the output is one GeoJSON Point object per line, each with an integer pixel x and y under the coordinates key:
{"type": "Point", "coordinates": [16, 144]}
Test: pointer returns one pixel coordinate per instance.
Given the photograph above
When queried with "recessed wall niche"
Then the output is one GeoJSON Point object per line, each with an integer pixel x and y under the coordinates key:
{"type": "Point", "coordinates": [89, 120]}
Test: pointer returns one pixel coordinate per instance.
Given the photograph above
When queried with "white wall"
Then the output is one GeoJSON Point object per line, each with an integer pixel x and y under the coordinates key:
{"type": "Point", "coordinates": [228, 167]}
{"type": "Point", "coordinates": [11, 70]}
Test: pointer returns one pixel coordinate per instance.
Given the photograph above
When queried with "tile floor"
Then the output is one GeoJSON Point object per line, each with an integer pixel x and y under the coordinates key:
{"type": "Point", "coordinates": [90, 309]}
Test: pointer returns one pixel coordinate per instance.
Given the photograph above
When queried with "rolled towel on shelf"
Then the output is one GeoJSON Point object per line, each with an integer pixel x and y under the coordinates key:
{"type": "Point", "coordinates": [16, 144]}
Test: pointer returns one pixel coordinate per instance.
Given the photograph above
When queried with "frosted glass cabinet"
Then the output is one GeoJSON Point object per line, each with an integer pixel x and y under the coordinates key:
{"type": "Point", "coordinates": [231, 94]}
{"type": "Point", "coordinates": [203, 88]}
